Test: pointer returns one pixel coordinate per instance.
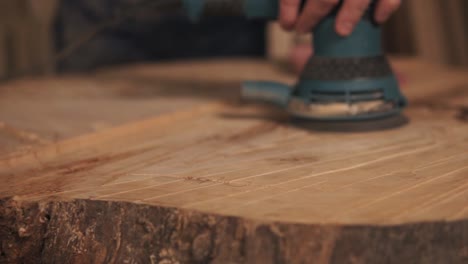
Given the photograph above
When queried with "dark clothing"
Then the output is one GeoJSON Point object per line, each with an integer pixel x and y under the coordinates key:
{"type": "Point", "coordinates": [148, 37]}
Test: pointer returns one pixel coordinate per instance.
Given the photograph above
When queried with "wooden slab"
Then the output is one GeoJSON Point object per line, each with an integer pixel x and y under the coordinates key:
{"type": "Point", "coordinates": [222, 182]}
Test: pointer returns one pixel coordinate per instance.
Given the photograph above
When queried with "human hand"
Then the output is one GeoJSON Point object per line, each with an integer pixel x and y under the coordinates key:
{"type": "Point", "coordinates": [315, 10]}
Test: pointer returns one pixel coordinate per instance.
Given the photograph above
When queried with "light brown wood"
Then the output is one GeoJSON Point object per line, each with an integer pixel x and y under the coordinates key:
{"type": "Point", "coordinates": [60, 108]}
{"type": "Point", "coordinates": [202, 158]}
{"type": "Point", "coordinates": [235, 161]}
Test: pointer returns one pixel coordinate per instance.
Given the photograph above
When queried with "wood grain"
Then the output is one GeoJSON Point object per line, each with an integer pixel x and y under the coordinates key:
{"type": "Point", "coordinates": [191, 183]}
{"type": "Point", "coordinates": [259, 169]}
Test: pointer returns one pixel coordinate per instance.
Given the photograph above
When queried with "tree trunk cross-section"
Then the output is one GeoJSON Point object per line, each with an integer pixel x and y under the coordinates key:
{"type": "Point", "coordinates": [214, 182]}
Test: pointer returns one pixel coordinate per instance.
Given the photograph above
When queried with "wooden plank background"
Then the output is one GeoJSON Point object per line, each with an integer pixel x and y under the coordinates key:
{"type": "Point", "coordinates": [436, 31]}
{"type": "Point", "coordinates": [26, 37]}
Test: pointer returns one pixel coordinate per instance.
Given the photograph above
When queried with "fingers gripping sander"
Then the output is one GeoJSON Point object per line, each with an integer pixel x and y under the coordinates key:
{"type": "Point", "coordinates": [348, 78]}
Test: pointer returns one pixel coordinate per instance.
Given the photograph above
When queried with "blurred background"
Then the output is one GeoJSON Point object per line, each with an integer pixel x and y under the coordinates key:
{"type": "Point", "coordinates": [44, 37]}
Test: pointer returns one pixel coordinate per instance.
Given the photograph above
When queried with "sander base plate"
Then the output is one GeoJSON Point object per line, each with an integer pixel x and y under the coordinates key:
{"type": "Point", "coordinates": [342, 111]}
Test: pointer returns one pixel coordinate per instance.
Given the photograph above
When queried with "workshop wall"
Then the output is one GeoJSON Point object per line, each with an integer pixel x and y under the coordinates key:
{"type": "Point", "coordinates": [32, 31]}
{"type": "Point", "coordinates": [436, 30]}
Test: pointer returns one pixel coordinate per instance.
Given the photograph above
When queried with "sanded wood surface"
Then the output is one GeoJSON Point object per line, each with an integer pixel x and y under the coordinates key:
{"type": "Point", "coordinates": [241, 183]}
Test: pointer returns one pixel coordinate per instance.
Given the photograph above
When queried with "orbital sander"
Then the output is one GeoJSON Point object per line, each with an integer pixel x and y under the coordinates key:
{"type": "Point", "coordinates": [348, 78]}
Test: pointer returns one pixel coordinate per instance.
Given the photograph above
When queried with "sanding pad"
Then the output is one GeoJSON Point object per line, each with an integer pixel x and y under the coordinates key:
{"type": "Point", "coordinates": [341, 110]}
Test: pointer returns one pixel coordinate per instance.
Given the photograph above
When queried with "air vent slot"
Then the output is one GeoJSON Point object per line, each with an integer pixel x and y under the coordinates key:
{"type": "Point", "coordinates": [351, 97]}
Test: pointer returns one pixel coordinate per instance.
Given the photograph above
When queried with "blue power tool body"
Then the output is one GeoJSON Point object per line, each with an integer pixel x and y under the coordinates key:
{"type": "Point", "coordinates": [348, 78]}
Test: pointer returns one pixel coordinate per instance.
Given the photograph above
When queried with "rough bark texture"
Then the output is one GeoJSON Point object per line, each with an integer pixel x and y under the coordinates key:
{"type": "Point", "coordinates": [84, 231]}
{"type": "Point", "coordinates": [22, 231]}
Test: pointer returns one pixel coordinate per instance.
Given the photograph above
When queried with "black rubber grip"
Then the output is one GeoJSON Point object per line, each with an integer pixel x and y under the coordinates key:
{"type": "Point", "coordinates": [213, 8]}
{"type": "Point", "coordinates": [337, 69]}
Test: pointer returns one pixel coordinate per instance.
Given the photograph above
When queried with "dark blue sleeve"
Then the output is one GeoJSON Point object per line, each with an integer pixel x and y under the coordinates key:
{"type": "Point", "coordinates": [147, 37]}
